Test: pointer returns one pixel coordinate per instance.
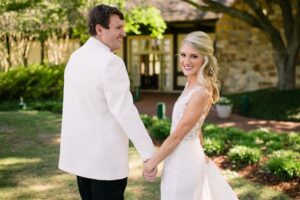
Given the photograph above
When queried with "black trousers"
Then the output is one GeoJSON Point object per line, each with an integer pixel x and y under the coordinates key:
{"type": "Point", "coordinates": [91, 189]}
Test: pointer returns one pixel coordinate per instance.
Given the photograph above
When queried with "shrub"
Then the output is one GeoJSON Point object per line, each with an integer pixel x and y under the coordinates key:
{"type": "Point", "coordinates": [160, 129]}
{"type": "Point", "coordinates": [242, 155]}
{"type": "Point", "coordinates": [147, 120]}
{"type": "Point", "coordinates": [53, 106]}
{"type": "Point", "coordinates": [212, 131]}
{"type": "Point", "coordinates": [232, 134]}
{"type": "Point", "coordinates": [224, 101]}
{"type": "Point", "coordinates": [284, 163]}
{"type": "Point", "coordinates": [32, 83]}
{"type": "Point", "coordinates": [273, 145]}
{"type": "Point", "coordinates": [294, 141]}
{"type": "Point", "coordinates": [281, 104]}
{"type": "Point", "coordinates": [9, 105]}
{"type": "Point", "coordinates": [213, 146]}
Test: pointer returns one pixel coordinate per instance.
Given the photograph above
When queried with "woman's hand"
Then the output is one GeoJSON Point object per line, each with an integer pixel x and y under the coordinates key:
{"type": "Point", "coordinates": [149, 172]}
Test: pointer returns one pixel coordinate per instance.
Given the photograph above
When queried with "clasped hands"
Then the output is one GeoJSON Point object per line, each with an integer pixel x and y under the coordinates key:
{"type": "Point", "coordinates": [149, 172]}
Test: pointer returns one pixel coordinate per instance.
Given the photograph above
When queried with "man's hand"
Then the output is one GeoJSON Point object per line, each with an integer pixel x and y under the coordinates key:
{"type": "Point", "coordinates": [149, 172]}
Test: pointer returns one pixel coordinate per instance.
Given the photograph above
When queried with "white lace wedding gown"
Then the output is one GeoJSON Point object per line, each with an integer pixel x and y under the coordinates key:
{"type": "Point", "coordinates": [186, 175]}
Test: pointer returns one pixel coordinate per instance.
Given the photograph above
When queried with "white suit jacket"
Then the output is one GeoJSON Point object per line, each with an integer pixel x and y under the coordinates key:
{"type": "Point", "coordinates": [99, 116]}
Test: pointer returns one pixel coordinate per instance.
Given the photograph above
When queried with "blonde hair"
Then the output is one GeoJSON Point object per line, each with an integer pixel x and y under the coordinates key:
{"type": "Point", "coordinates": [207, 74]}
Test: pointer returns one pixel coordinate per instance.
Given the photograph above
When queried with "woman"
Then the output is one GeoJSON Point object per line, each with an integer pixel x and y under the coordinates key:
{"type": "Point", "coordinates": [188, 174]}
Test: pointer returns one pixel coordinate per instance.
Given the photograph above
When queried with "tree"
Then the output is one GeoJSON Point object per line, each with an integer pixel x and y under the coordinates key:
{"type": "Point", "coordinates": [8, 15]}
{"type": "Point", "coordinates": [285, 46]}
{"type": "Point", "coordinates": [47, 21]}
{"type": "Point", "coordinates": [13, 5]}
{"type": "Point", "coordinates": [24, 21]}
{"type": "Point", "coordinates": [145, 20]}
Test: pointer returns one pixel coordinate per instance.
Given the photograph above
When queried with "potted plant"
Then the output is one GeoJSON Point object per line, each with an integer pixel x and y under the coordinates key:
{"type": "Point", "coordinates": [224, 107]}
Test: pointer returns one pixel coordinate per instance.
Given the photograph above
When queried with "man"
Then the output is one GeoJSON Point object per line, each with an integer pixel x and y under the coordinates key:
{"type": "Point", "coordinates": [98, 112]}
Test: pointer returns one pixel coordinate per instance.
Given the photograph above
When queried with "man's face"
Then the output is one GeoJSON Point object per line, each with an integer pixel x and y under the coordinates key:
{"type": "Point", "coordinates": [113, 36]}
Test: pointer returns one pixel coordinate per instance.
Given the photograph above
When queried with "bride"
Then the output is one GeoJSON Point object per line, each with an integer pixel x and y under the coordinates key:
{"type": "Point", "coordinates": [187, 173]}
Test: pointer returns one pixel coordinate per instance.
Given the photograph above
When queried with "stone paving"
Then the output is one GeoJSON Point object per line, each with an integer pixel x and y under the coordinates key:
{"type": "Point", "coordinates": [148, 101]}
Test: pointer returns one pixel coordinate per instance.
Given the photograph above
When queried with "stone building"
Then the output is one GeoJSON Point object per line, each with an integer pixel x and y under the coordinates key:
{"type": "Point", "coordinates": [244, 53]}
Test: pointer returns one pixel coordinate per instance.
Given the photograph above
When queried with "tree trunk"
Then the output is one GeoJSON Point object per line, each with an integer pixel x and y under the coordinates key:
{"type": "Point", "coordinates": [285, 62]}
{"type": "Point", "coordinates": [8, 49]}
{"type": "Point", "coordinates": [25, 53]}
{"type": "Point", "coordinates": [42, 51]}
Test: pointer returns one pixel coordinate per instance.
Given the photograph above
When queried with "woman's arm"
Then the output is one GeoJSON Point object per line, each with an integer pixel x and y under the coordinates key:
{"type": "Point", "coordinates": [193, 112]}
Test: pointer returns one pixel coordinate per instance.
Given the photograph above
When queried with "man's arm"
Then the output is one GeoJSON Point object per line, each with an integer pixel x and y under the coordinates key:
{"type": "Point", "coordinates": [120, 102]}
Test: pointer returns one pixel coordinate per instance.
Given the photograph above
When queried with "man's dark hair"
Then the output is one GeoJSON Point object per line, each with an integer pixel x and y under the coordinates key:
{"type": "Point", "coordinates": [100, 15]}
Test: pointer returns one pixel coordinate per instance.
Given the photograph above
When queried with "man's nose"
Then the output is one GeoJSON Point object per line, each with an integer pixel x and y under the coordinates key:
{"type": "Point", "coordinates": [123, 33]}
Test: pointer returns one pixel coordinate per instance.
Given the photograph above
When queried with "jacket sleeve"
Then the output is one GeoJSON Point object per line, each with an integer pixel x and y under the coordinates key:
{"type": "Point", "coordinates": [116, 87]}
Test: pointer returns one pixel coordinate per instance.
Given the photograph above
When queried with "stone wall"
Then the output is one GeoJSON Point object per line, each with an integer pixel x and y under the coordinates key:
{"type": "Point", "coordinates": [245, 55]}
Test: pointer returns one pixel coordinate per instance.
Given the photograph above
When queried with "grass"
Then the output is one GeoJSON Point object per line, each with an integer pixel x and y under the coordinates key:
{"type": "Point", "coordinates": [270, 103]}
{"type": "Point", "coordinates": [29, 148]}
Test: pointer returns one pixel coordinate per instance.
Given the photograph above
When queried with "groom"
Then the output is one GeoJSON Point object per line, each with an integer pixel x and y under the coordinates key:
{"type": "Point", "coordinates": [98, 112]}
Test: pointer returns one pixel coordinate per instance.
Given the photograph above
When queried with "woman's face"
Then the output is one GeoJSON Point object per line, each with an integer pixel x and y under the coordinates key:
{"type": "Point", "coordinates": [190, 60]}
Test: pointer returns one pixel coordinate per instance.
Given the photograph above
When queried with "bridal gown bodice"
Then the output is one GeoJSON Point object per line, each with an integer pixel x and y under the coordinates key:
{"type": "Point", "coordinates": [185, 170]}
{"type": "Point", "coordinates": [180, 107]}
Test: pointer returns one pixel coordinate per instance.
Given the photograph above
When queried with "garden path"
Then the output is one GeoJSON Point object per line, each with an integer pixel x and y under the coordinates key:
{"type": "Point", "coordinates": [148, 101]}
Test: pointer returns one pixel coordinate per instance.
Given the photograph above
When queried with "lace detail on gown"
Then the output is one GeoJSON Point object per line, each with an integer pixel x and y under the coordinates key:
{"type": "Point", "coordinates": [179, 109]}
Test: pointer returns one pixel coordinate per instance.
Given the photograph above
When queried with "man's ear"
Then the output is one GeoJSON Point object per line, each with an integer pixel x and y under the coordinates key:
{"type": "Point", "coordinates": [98, 29]}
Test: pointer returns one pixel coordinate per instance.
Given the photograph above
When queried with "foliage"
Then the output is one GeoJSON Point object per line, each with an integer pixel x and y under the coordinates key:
{"type": "Point", "coordinates": [22, 22]}
{"type": "Point", "coordinates": [284, 163]}
{"type": "Point", "coordinates": [32, 83]}
{"type": "Point", "coordinates": [243, 155]}
{"type": "Point", "coordinates": [160, 129]}
{"type": "Point", "coordinates": [264, 140]}
{"type": "Point", "coordinates": [9, 5]}
{"type": "Point", "coordinates": [276, 104]}
{"type": "Point", "coordinates": [53, 106]}
{"type": "Point", "coordinates": [145, 20]}
{"type": "Point", "coordinates": [213, 146]}
{"type": "Point", "coordinates": [224, 101]}
{"type": "Point", "coordinates": [147, 120]}
{"type": "Point", "coordinates": [293, 139]}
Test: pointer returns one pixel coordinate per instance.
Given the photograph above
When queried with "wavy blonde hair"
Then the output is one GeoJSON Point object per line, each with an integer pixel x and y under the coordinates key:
{"type": "Point", "coordinates": [207, 74]}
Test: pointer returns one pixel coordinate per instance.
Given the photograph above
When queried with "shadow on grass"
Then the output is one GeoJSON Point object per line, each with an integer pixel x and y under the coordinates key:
{"type": "Point", "coordinates": [140, 189]}
{"type": "Point", "coordinates": [29, 157]}
{"type": "Point", "coordinates": [247, 190]}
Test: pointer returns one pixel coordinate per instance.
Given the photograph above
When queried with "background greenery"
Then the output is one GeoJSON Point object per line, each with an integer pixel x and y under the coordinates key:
{"type": "Point", "coordinates": [41, 87]}
{"type": "Point", "coordinates": [47, 22]}
{"type": "Point", "coordinates": [29, 149]}
{"type": "Point", "coordinates": [268, 103]}
{"type": "Point", "coordinates": [275, 153]}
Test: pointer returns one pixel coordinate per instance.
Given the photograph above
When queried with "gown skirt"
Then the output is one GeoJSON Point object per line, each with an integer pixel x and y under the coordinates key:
{"type": "Point", "coordinates": [187, 176]}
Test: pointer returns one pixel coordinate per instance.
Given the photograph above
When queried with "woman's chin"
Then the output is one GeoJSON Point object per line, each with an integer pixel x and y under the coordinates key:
{"type": "Point", "coordinates": [188, 73]}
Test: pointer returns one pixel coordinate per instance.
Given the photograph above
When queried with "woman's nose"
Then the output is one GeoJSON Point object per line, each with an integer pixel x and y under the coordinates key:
{"type": "Point", "coordinates": [186, 60]}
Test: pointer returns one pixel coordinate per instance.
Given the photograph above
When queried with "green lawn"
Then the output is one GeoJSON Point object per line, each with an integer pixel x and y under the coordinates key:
{"type": "Point", "coordinates": [29, 147]}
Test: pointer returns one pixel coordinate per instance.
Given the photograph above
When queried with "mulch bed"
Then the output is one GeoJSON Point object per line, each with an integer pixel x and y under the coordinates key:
{"type": "Point", "coordinates": [255, 174]}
